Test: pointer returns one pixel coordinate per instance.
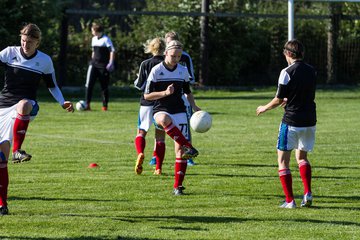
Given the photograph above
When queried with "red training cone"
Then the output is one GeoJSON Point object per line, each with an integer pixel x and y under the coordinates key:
{"type": "Point", "coordinates": [93, 165]}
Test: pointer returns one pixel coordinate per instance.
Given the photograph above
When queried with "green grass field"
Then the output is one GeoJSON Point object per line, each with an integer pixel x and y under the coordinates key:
{"type": "Point", "coordinates": [233, 192]}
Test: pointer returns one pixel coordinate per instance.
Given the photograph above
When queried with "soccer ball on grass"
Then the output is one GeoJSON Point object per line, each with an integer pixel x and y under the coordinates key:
{"type": "Point", "coordinates": [201, 121]}
{"type": "Point", "coordinates": [80, 105]}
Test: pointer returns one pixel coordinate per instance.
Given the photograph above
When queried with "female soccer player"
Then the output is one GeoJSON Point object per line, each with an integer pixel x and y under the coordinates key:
{"type": "Point", "coordinates": [297, 84]}
{"type": "Point", "coordinates": [185, 60]}
{"type": "Point", "coordinates": [102, 63]}
{"type": "Point", "coordinates": [156, 47]}
{"type": "Point", "coordinates": [165, 85]}
{"type": "Point", "coordinates": [25, 66]}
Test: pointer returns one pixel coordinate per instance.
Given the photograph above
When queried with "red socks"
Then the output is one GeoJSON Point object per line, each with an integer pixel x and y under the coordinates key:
{"type": "Point", "coordinates": [140, 144]}
{"type": "Point", "coordinates": [159, 153]}
{"type": "Point", "coordinates": [180, 170]}
{"type": "Point", "coordinates": [176, 134]}
{"type": "Point", "coordinates": [305, 173]}
{"type": "Point", "coordinates": [20, 126]}
{"type": "Point", "coordinates": [286, 182]}
{"type": "Point", "coordinates": [4, 180]}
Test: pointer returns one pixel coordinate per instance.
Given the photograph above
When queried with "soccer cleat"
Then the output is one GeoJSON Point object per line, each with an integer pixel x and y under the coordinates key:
{"type": "Point", "coordinates": [307, 200]}
{"type": "Point", "coordinates": [190, 162]}
{"type": "Point", "coordinates": [153, 161]}
{"type": "Point", "coordinates": [139, 162]}
{"type": "Point", "coordinates": [179, 191]}
{"type": "Point", "coordinates": [4, 210]}
{"type": "Point", "coordinates": [104, 109]}
{"type": "Point", "coordinates": [20, 156]}
{"type": "Point", "coordinates": [189, 152]}
{"type": "Point", "coordinates": [157, 172]}
{"type": "Point", "coordinates": [291, 204]}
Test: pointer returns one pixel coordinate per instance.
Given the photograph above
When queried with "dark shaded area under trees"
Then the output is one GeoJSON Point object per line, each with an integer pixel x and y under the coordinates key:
{"type": "Point", "coordinates": [245, 46]}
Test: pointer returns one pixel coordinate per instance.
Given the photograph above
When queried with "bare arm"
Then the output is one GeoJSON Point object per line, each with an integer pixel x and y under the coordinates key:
{"type": "Point", "coordinates": [190, 98]}
{"type": "Point", "coordinates": [112, 57]}
{"type": "Point", "coordinates": [275, 102]}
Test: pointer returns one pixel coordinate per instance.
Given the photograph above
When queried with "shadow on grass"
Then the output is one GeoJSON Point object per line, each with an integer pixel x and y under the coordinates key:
{"type": "Point", "coordinates": [347, 198]}
{"type": "Point", "coordinates": [241, 165]}
{"type": "Point", "coordinates": [335, 177]}
{"type": "Point", "coordinates": [337, 167]}
{"type": "Point", "coordinates": [206, 220]}
{"type": "Point", "coordinates": [338, 208]}
{"type": "Point", "coordinates": [232, 175]}
{"type": "Point", "coordinates": [62, 199]}
{"type": "Point", "coordinates": [74, 238]}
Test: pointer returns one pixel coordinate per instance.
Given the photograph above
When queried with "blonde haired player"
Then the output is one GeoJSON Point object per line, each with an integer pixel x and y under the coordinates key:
{"type": "Point", "coordinates": [156, 47]}
{"type": "Point", "coordinates": [165, 85]}
{"type": "Point", "coordinates": [25, 67]}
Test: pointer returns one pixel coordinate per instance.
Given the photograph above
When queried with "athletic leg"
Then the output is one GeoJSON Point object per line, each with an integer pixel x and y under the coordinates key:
{"type": "Point", "coordinates": [104, 83]}
{"type": "Point", "coordinates": [180, 170]}
{"type": "Point", "coordinates": [159, 150]}
{"type": "Point", "coordinates": [285, 174]}
{"type": "Point", "coordinates": [89, 85]}
{"type": "Point", "coordinates": [23, 108]}
{"type": "Point", "coordinates": [305, 174]}
{"type": "Point", "coordinates": [4, 176]}
{"type": "Point", "coordinates": [165, 121]}
{"type": "Point", "coordinates": [189, 113]}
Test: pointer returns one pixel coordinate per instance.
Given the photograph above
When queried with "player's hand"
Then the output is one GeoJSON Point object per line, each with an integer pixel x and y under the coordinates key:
{"type": "Point", "coordinates": [68, 106]}
{"type": "Point", "coordinates": [260, 109]}
{"type": "Point", "coordinates": [196, 108]}
{"type": "Point", "coordinates": [110, 67]}
{"type": "Point", "coordinates": [170, 90]}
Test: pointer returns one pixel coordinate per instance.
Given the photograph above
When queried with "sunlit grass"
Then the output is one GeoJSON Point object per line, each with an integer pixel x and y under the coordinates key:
{"type": "Point", "coordinates": [232, 193]}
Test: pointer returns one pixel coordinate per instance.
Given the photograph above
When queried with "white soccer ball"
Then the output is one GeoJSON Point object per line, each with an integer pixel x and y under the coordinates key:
{"type": "Point", "coordinates": [80, 105]}
{"type": "Point", "coordinates": [201, 121]}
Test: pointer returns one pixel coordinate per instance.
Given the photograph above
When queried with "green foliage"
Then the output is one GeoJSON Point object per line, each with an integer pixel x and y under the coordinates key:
{"type": "Point", "coordinates": [46, 14]}
{"type": "Point", "coordinates": [243, 50]}
{"type": "Point", "coordinates": [232, 193]}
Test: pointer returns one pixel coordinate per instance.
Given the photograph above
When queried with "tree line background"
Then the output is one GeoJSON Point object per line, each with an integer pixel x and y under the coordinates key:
{"type": "Point", "coordinates": [245, 42]}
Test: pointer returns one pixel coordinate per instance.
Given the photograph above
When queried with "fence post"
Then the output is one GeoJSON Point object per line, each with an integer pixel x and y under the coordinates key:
{"type": "Point", "coordinates": [333, 35]}
{"type": "Point", "coordinates": [204, 48]}
{"type": "Point", "coordinates": [63, 49]}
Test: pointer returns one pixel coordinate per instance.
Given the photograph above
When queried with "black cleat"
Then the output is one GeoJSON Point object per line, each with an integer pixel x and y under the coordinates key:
{"type": "Point", "coordinates": [20, 156]}
{"type": "Point", "coordinates": [4, 210]}
{"type": "Point", "coordinates": [189, 152]}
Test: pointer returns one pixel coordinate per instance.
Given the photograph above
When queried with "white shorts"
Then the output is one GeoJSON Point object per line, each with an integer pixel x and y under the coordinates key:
{"type": "Point", "coordinates": [7, 120]}
{"type": "Point", "coordinates": [179, 120]}
{"type": "Point", "coordinates": [145, 118]}
{"type": "Point", "coordinates": [301, 138]}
